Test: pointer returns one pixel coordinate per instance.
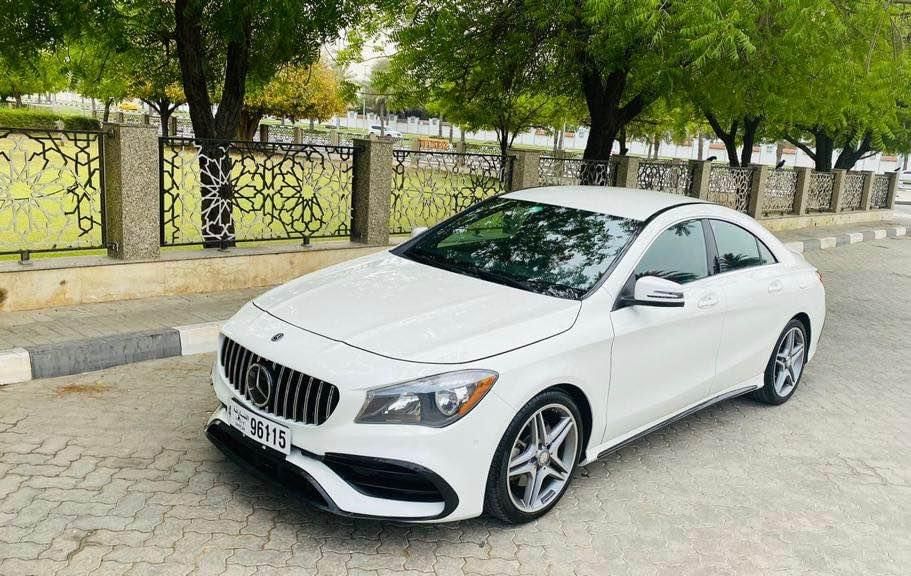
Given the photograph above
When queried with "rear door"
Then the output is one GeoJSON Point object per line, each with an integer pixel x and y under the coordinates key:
{"type": "Point", "coordinates": [663, 359]}
{"type": "Point", "coordinates": [756, 288]}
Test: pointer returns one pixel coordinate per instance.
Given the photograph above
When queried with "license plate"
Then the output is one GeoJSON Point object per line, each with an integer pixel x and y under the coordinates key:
{"type": "Point", "coordinates": [264, 431]}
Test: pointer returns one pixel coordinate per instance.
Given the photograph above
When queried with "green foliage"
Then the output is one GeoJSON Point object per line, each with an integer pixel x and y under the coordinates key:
{"type": "Point", "coordinates": [299, 92]}
{"type": "Point", "coordinates": [40, 72]}
{"type": "Point", "coordinates": [481, 64]}
{"type": "Point", "coordinates": [25, 118]}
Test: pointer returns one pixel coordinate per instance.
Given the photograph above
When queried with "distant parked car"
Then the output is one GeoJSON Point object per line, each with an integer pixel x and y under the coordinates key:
{"type": "Point", "coordinates": [475, 367]}
{"type": "Point", "coordinates": [377, 130]}
{"type": "Point", "coordinates": [129, 107]}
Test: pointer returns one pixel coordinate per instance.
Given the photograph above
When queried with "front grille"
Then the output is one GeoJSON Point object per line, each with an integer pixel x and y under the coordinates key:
{"type": "Point", "coordinates": [293, 395]}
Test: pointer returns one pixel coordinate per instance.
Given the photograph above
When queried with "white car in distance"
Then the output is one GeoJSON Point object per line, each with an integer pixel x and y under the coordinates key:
{"type": "Point", "coordinates": [475, 367]}
{"type": "Point", "coordinates": [377, 130]}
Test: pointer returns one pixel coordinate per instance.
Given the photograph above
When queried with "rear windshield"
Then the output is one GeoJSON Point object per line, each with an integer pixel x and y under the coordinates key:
{"type": "Point", "coordinates": [552, 250]}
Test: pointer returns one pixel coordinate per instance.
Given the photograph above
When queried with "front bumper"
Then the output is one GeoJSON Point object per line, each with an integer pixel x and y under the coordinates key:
{"type": "Point", "coordinates": [368, 477]}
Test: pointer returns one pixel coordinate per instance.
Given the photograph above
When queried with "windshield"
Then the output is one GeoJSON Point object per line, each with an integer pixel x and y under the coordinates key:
{"type": "Point", "coordinates": [552, 250]}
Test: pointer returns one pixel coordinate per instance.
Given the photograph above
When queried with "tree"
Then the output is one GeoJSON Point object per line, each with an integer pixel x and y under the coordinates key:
{"type": "Point", "coordinates": [232, 44]}
{"type": "Point", "coordinates": [482, 64]}
{"type": "Point", "coordinates": [98, 68]}
{"type": "Point", "coordinates": [858, 91]}
{"type": "Point", "coordinates": [295, 92]}
{"type": "Point", "coordinates": [39, 73]}
{"type": "Point", "coordinates": [148, 33]}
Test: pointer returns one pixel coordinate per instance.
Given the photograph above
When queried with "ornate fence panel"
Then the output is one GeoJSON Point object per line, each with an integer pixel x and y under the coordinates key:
{"type": "Point", "coordinates": [428, 187]}
{"type": "Point", "coordinates": [730, 187]}
{"type": "Point", "coordinates": [854, 191]}
{"type": "Point", "coordinates": [557, 171]}
{"type": "Point", "coordinates": [247, 191]}
{"type": "Point", "coordinates": [880, 196]}
{"type": "Point", "coordinates": [671, 177]}
{"type": "Point", "coordinates": [482, 149]}
{"type": "Point", "coordinates": [780, 192]}
{"type": "Point", "coordinates": [822, 184]}
{"type": "Point", "coordinates": [184, 127]}
{"type": "Point", "coordinates": [281, 133]}
{"type": "Point", "coordinates": [51, 190]}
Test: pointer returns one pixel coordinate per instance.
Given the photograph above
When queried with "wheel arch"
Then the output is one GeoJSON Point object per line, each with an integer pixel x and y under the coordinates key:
{"type": "Point", "coordinates": [804, 318]}
{"type": "Point", "coordinates": [585, 409]}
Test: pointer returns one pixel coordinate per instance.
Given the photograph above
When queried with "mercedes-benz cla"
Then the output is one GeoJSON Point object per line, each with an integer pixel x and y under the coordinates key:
{"type": "Point", "coordinates": [476, 366]}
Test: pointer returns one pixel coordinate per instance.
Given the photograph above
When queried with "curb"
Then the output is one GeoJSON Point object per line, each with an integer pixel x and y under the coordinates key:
{"type": "Point", "coordinates": [90, 354]}
{"type": "Point", "coordinates": [827, 242]}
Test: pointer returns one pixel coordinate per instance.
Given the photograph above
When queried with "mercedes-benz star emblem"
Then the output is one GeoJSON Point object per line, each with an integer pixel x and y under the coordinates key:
{"type": "Point", "coordinates": [278, 336]}
{"type": "Point", "coordinates": [259, 385]}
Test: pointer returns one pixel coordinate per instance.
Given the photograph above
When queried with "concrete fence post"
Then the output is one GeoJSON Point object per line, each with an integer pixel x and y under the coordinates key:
{"type": "Point", "coordinates": [757, 191]}
{"type": "Point", "coordinates": [524, 169]}
{"type": "Point", "coordinates": [702, 176]}
{"type": "Point", "coordinates": [297, 135]}
{"type": "Point", "coordinates": [371, 188]}
{"type": "Point", "coordinates": [263, 132]}
{"type": "Point", "coordinates": [627, 172]}
{"type": "Point", "coordinates": [838, 190]}
{"type": "Point", "coordinates": [172, 126]}
{"type": "Point", "coordinates": [893, 189]}
{"type": "Point", "coordinates": [146, 119]}
{"type": "Point", "coordinates": [802, 193]}
{"type": "Point", "coordinates": [867, 193]}
{"type": "Point", "coordinates": [132, 202]}
{"type": "Point", "coordinates": [118, 117]}
{"type": "Point", "coordinates": [334, 138]}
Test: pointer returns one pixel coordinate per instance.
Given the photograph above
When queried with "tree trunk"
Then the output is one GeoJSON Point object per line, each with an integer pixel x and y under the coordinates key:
{"type": "Point", "coordinates": [164, 116]}
{"type": "Point", "coordinates": [249, 122]}
{"type": "Point", "coordinates": [728, 137]}
{"type": "Point", "coordinates": [312, 127]}
{"type": "Point", "coordinates": [603, 97]}
{"type": "Point", "coordinates": [621, 138]}
{"type": "Point", "coordinates": [825, 146]}
{"type": "Point", "coordinates": [700, 155]}
{"type": "Point", "coordinates": [217, 199]}
{"type": "Point", "coordinates": [440, 127]}
{"type": "Point", "coordinates": [750, 128]}
{"type": "Point", "coordinates": [18, 98]}
{"type": "Point", "coordinates": [107, 110]}
{"type": "Point", "coordinates": [850, 154]}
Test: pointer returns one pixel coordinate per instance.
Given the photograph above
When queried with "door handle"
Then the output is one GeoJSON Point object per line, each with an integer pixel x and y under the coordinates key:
{"type": "Point", "coordinates": [775, 286]}
{"type": "Point", "coordinates": [707, 301]}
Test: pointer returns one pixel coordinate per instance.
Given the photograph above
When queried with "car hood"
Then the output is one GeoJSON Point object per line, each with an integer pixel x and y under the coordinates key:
{"type": "Point", "coordinates": [401, 309]}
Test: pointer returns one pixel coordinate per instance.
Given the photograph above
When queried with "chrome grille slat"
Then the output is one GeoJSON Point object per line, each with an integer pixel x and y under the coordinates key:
{"type": "Point", "coordinates": [297, 391]}
{"type": "Point", "coordinates": [319, 397]}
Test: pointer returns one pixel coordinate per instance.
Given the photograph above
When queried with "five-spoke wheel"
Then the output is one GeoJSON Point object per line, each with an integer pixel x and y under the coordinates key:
{"type": "Point", "coordinates": [785, 367]}
{"type": "Point", "coordinates": [535, 461]}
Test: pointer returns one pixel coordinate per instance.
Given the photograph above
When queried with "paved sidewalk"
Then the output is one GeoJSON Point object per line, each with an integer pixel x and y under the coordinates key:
{"type": "Point", "coordinates": [76, 339]}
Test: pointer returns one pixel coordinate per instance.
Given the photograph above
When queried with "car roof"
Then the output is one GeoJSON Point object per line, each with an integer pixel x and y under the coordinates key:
{"type": "Point", "coordinates": [630, 203]}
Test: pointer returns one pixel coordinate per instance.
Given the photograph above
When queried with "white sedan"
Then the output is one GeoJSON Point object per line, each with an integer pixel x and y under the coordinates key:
{"type": "Point", "coordinates": [473, 368]}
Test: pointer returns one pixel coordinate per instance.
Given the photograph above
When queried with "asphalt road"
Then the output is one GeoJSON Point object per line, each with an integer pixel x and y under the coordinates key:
{"type": "Point", "coordinates": [109, 473]}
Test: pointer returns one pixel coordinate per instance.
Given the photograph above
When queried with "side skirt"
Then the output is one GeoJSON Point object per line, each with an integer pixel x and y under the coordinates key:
{"type": "Point", "coordinates": [679, 416]}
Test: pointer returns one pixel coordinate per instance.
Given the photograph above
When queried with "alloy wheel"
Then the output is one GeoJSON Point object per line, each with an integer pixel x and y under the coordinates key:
{"type": "Point", "coordinates": [542, 458]}
{"type": "Point", "coordinates": [789, 361]}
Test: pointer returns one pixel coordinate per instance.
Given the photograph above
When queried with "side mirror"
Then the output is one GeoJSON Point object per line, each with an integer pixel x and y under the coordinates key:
{"type": "Point", "coordinates": [418, 231]}
{"type": "Point", "coordinates": [654, 291]}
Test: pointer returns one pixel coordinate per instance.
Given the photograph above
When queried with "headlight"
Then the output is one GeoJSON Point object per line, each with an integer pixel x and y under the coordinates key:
{"type": "Point", "coordinates": [435, 401]}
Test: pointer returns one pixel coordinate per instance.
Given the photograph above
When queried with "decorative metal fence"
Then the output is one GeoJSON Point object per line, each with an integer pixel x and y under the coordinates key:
{"type": "Point", "coordinates": [559, 171]}
{"type": "Point", "coordinates": [428, 187]}
{"type": "Point", "coordinates": [854, 191]}
{"type": "Point", "coordinates": [216, 192]}
{"type": "Point", "coordinates": [730, 187]}
{"type": "Point", "coordinates": [822, 184]}
{"type": "Point", "coordinates": [780, 192]}
{"type": "Point", "coordinates": [880, 195]}
{"type": "Point", "coordinates": [184, 127]}
{"type": "Point", "coordinates": [51, 190]}
{"type": "Point", "coordinates": [671, 177]}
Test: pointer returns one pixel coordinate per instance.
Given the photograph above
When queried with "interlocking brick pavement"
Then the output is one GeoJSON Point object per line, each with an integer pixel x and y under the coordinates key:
{"type": "Point", "coordinates": [109, 473]}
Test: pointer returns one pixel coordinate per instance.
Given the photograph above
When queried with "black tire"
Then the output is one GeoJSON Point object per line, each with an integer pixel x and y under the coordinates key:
{"type": "Point", "coordinates": [768, 393]}
{"type": "Point", "coordinates": [497, 501]}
